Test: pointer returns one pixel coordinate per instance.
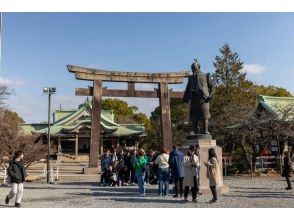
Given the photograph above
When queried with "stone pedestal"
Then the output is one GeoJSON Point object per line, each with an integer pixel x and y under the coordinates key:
{"type": "Point", "coordinates": [205, 142]}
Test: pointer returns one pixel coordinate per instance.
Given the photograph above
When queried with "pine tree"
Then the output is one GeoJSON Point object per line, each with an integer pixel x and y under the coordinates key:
{"type": "Point", "coordinates": [228, 68]}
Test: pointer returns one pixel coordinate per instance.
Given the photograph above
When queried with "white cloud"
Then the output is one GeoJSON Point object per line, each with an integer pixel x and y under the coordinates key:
{"type": "Point", "coordinates": [254, 68]}
{"type": "Point", "coordinates": [12, 82]}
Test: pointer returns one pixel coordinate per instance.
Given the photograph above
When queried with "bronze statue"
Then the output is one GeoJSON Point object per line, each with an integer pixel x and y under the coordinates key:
{"type": "Point", "coordinates": [198, 93]}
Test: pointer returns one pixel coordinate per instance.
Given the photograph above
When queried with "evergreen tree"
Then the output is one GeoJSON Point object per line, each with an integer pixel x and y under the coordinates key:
{"type": "Point", "coordinates": [228, 68]}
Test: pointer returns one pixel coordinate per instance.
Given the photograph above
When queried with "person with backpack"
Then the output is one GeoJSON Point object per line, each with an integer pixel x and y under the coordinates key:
{"type": "Point", "coordinates": [17, 174]}
{"type": "Point", "coordinates": [176, 164]}
{"type": "Point", "coordinates": [139, 166]}
{"type": "Point", "coordinates": [163, 172]}
{"type": "Point", "coordinates": [287, 169]}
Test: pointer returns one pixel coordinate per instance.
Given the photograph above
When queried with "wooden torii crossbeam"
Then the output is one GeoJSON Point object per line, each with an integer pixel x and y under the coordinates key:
{"type": "Point", "coordinates": [97, 91]}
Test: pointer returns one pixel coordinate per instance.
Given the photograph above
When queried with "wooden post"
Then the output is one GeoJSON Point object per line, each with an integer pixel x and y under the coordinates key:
{"type": "Point", "coordinates": [165, 115]}
{"type": "Point", "coordinates": [76, 147]}
{"type": "Point", "coordinates": [95, 126]}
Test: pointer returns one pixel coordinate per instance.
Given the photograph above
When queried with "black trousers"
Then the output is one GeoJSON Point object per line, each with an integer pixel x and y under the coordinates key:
{"type": "Point", "coordinates": [179, 185]}
{"type": "Point", "coordinates": [288, 182]}
{"type": "Point", "coordinates": [194, 189]}
{"type": "Point", "coordinates": [214, 193]}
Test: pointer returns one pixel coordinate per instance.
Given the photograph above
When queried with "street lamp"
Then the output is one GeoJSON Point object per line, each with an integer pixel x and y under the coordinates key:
{"type": "Point", "coordinates": [49, 91]}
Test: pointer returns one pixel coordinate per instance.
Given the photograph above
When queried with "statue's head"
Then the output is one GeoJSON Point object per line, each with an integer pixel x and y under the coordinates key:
{"type": "Point", "coordinates": [195, 67]}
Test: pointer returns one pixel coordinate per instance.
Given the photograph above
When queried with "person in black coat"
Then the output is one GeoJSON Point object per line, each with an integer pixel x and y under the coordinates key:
{"type": "Point", "coordinates": [17, 174]}
{"type": "Point", "coordinates": [287, 170]}
{"type": "Point", "coordinates": [105, 162]}
{"type": "Point", "coordinates": [176, 163]}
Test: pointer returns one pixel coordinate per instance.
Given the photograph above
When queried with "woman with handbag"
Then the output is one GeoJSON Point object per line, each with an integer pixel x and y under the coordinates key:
{"type": "Point", "coordinates": [163, 172]}
{"type": "Point", "coordinates": [139, 165]}
{"type": "Point", "coordinates": [287, 169]}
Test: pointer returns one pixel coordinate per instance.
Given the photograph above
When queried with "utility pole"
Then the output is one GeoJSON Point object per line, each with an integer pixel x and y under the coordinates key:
{"type": "Point", "coordinates": [49, 91]}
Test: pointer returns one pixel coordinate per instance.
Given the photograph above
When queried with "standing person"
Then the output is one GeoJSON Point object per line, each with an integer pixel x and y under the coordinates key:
{"type": "Point", "coordinates": [114, 157]}
{"type": "Point", "coordinates": [149, 171]}
{"type": "Point", "coordinates": [176, 164]}
{"type": "Point", "coordinates": [191, 162]}
{"type": "Point", "coordinates": [139, 167]}
{"type": "Point", "coordinates": [132, 159]}
{"type": "Point", "coordinates": [197, 153]}
{"type": "Point", "coordinates": [128, 167]}
{"type": "Point", "coordinates": [287, 169]}
{"type": "Point", "coordinates": [213, 173]}
{"type": "Point", "coordinates": [105, 162]}
{"type": "Point", "coordinates": [163, 172]}
{"type": "Point", "coordinates": [17, 173]}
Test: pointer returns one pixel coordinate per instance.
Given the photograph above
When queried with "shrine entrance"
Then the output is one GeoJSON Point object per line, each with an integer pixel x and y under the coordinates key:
{"type": "Point", "coordinates": [97, 91]}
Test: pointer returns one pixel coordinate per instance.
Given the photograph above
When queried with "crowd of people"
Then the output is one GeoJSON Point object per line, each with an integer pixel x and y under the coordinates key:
{"type": "Point", "coordinates": [162, 168]}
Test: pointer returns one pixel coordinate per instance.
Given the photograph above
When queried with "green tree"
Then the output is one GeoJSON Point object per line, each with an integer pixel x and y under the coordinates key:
{"type": "Point", "coordinates": [179, 113]}
{"type": "Point", "coordinates": [128, 114]}
{"type": "Point", "coordinates": [119, 106]}
{"type": "Point", "coordinates": [228, 68]}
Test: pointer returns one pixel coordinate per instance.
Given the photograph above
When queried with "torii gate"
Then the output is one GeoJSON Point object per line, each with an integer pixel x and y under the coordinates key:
{"type": "Point", "coordinates": [97, 91]}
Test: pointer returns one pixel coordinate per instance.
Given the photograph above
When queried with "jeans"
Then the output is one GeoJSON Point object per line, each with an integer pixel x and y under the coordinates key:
{"type": "Point", "coordinates": [179, 182]}
{"type": "Point", "coordinates": [140, 178]}
{"type": "Point", "coordinates": [16, 190]}
{"type": "Point", "coordinates": [147, 173]}
{"type": "Point", "coordinates": [163, 185]}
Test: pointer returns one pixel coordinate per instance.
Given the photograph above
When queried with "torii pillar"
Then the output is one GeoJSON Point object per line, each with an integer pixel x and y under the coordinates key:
{"type": "Point", "coordinates": [164, 103]}
{"type": "Point", "coordinates": [95, 124]}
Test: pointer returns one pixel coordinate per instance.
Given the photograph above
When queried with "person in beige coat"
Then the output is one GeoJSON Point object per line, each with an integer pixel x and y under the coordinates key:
{"type": "Point", "coordinates": [191, 162]}
{"type": "Point", "coordinates": [213, 173]}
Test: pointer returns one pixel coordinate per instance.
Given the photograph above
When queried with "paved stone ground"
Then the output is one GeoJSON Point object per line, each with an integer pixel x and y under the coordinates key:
{"type": "Point", "coordinates": [84, 191]}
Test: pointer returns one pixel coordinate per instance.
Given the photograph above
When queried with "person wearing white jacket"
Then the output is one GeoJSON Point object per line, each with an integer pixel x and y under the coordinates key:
{"type": "Point", "coordinates": [191, 163]}
{"type": "Point", "coordinates": [163, 172]}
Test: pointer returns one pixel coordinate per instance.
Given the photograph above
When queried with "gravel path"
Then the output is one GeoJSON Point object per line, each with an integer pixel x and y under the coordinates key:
{"type": "Point", "coordinates": [85, 192]}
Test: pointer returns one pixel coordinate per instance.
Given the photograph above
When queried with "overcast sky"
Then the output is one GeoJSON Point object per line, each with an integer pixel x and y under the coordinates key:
{"type": "Point", "coordinates": [38, 46]}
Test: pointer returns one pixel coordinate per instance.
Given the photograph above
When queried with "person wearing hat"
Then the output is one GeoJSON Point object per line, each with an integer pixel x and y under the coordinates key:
{"type": "Point", "coordinates": [198, 93]}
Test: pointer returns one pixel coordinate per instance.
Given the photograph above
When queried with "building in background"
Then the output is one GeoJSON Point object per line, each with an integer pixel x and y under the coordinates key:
{"type": "Point", "coordinates": [71, 129]}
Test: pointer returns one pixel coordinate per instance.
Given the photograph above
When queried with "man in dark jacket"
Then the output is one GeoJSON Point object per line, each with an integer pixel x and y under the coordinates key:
{"type": "Point", "coordinates": [287, 170]}
{"type": "Point", "coordinates": [17, 173]}
{"type": "Point", "coordinates": [105, 162]}
{"type": "Point", "coordinates": [176, 164]}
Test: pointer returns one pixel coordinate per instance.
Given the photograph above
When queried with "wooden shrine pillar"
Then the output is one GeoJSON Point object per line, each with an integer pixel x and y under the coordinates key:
{"type": "Point", "coordinates": [76, 146]}
{"type": "Point", "coordinates": [95, 125]}
{"type": "Point", "coordinates": [165, 115]}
